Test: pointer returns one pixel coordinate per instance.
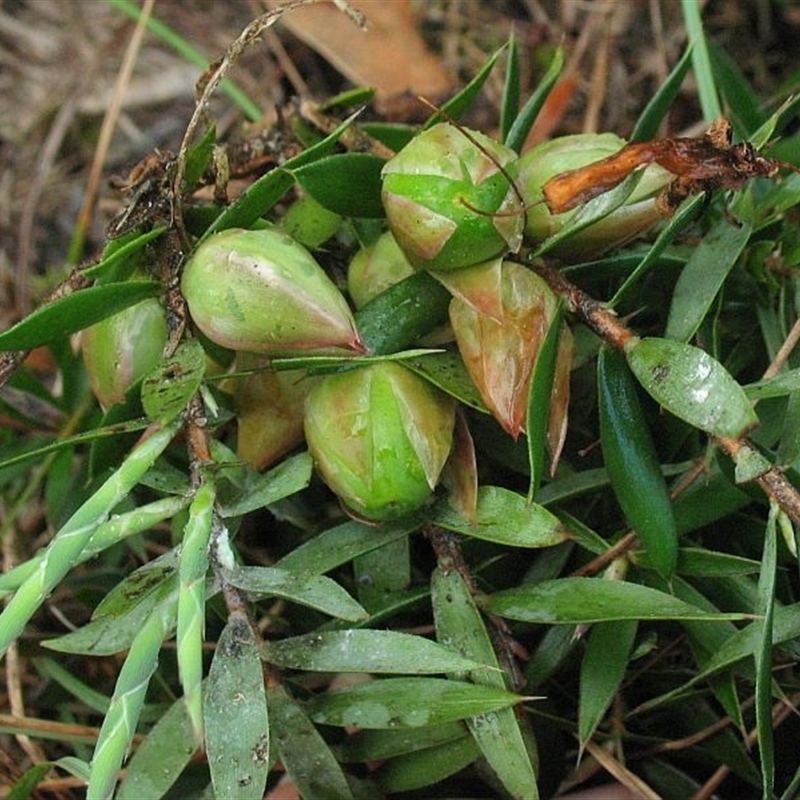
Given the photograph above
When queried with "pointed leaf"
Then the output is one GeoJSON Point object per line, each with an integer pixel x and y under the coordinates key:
{"type": "Point", "coordinates": [348, 184]}
{"type": "Point", "coordinates": [304, 754]}
{"type": "Point", "coordinates": [74, 312]}
{"type": "Point", "coordinates": [167, 389]}
{"type": "Point", "coordinates": [586, 600]}
{"type": "Point", "coordinates": [235, 715]}
{"type": "Point", "coordinates": [314, 591]}
{"type": "Point", "coordinates": [632, 462]}
{"type": "Point", "coordinates": [373, 651]}
{"type": "Point", "coordinates": [407, 702]}
{"type": "Point", "coordinates": [602, 670]}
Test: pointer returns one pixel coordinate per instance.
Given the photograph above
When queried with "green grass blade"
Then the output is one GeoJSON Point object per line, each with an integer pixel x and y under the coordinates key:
{"type": "Point", "coordinates": [763, 654]}
{"type": "Point", "coordinates": [188, 51]}
{"type": "Point", "coordinates": [122, 718]}
{"type": "Point", "coordinates": [192, 600]}
{"type": "Point", "coordinates": [706, 86]}
{"type": "Point", "coordinates": [68, 544]}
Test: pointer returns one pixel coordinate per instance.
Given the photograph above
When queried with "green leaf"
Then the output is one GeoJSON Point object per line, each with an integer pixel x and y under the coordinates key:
{"type": "Point", "coordinates": [171, 384]}
{"type": "Point", "coordinates": [260, 196]}
{"type": "Point", "coordinates": [704, 274]}
{"type": "Point", "coordinates": [198, 158]}
{"type": "Point", "coordinates": [632, 462]}
{"type": "Point", "coordinates": [503, 736]}
{"type": "Point", "coordinates": [524, 122]}
{"type": "Point", "coordinates": [427, 767]}
{"type": "Point", "coordinates": [448, 372]}
{"type": "Point", "coordinates": [292, 475]}
{"type": "Point", "coordinates": [763, 654]}
{"type": "Point", "coordinates": [591, 212]}
{"type": "Point", "coordinates": [399, 315]}
{"type": "Point", "coordinates": [692, 385]}
{"type": "Point", "coordinates": [586, 600]}
{"type": "Point", "coordinates": [379, 745]}
{"type": "Point", "coordinates": [314, 591]}
{"type": "Point", "coordinates": [304, 754]}
{"type": "Point", "coordinates": [75, 312]}
{"type": "Point", "coordinates": [236, 717]}
{"type": "Point", "coordinates": [509, 107]}
{"type": "Point", "coordinates": [348, 184]}
{"type": "Point", "coordinates": [504, 517]}
{"type": "Point", "coordinates": [602, 670]}
{"type": "Point", "coordinates": [541, 390]}
{"type": "Point", "coordinates": [343, 543]}
{"type": "Point", "coordinates": [460, 103]}
{"type": "Point", "coordinates": [373, 651]}
{"type": "Point", "coordinates": [121, 251]}
{"type": "Point", "coordinates": [407, 702]}
{"type": "Point", "coordinates": [159, 760]}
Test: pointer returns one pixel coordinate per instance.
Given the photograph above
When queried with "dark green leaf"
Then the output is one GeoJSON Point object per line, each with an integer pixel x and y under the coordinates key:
{"type": "Point", "coordinates": [304, 754]}
{"type": "Point", "coordinates": [260, 196]}
{"type": "Point", "coordinates": [120, 251]}
{"type": "Point", "coordinates": [75, 312]}
{"type": "Point", "coordinates": [373, 651]}
{"type": "Point", "coordinates": [602, 670]}
{"type": "Point", "coordinates": [704, 274]}
{"type": "Point", "coordinates": [343, 543]}
{"type": "Point", "coordinates": [632, 462]}
{"type": "Point", "coordinates": [289, 477]}
{"type": "Point", "coordinates": [460, 103]}
{"type": "Point", "coordinates": [524, 122]}
{"type": "Point", "coordinates": [510, 105]}
{"type": "Point", "coordinates": [314, 591]}
{"type": "Point", "coordinates": [198, 158]}
{"type": "Point", "coordinates": [398, 316]}
{"type": "Point", "coordinates": [427, 767]}
{"type": "Point", "coordinates": [348, 184]}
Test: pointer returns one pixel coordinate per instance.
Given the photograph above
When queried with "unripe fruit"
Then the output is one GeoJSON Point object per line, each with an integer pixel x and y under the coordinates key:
{"type": "Point", "coordinates": [262, 292]}
{"type": "Point", "coordinates": [380, 436]}
{"type": "Point", "coordinates": [448, 203]}
{"type": "Point", "coordinates": [120, 349]}
{"type": "Point", "coordinates": [376, 268]}
{"type": "Point", "coordinates": [269, 410]}
{"type": "Point", "coordinates": [540, 163]}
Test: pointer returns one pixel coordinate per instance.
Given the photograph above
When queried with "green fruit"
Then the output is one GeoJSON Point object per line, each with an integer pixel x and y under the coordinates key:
{"type": "Point", "coordinates": [450, 203]}
{"type": "Point", "coordinates": [262, 292]}
{"type": "Point", "coordinates": [380, 436]}
{"type": "Point", "coordinates": [122, 348]}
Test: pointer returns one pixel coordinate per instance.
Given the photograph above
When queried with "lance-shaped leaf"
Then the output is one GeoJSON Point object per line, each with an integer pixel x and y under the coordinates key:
{"type": "Point", "coordinates": [407, 702]}
{"type": "Point", "coordinates": [692, 385]}
{"type": "Point", "coordinates": [235, 715]}
{"type": "Point", "coordinates": [632, 462]}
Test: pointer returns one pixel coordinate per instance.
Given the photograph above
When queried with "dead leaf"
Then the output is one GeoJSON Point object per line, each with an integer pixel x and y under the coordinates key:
{"type": "Point", "coordinates": [390, 55]}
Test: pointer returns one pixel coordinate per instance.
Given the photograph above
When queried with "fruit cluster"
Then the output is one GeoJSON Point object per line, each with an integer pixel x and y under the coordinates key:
{"type": "Point", "coordinates": [456, 204]}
